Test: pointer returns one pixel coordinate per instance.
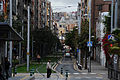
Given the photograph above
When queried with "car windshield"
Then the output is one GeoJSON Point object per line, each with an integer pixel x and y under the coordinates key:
{"type": "Point", "coordinates": [67, 54]}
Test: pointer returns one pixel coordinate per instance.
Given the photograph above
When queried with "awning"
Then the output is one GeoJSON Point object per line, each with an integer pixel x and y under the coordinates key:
{"type": "Point", "coordinates": [7, 33]}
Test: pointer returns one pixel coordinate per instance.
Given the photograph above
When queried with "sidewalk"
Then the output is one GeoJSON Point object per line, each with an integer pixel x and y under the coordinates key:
{"type": "Point", "coordinates": [37, 76]}
{"type": "Point", "coordinates": [96, 70]}
{"type": "Point", "coordinates": [22, 76]}
{"type": "Point", "coordinates": [54, 76]}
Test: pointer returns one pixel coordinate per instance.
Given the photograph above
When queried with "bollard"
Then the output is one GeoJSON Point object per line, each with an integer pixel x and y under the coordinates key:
{"type": "Point", "coordinates": [66, 73]}
{"type": "Point", "coordinates": [61, 70]}
{"type": "Point", "coordinates": [15, 70]}
{"type": "Point", "coordinates": [31, 72]}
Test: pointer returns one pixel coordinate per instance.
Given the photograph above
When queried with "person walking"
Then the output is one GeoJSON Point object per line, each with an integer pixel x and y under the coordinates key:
{"type": "Point", "coordinates": [7, 66]}
{"type": "Point", "coordinates": [48, 69]}
{"type": "Point", "coordinates": [1, 75]}
{"type": "Point", "coordinates": [38, 58]}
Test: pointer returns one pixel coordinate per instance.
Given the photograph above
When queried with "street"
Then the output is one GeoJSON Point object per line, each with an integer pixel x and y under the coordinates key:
{"type": "Point", "coordinates": [59, 40]}
{"type": "Point", "coordinates": [98, 73]}
{"type": "Point", "coordinates": [67, 64]}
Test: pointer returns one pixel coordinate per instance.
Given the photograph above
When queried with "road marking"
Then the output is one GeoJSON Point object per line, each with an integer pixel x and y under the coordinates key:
{"type": "Point", "coordinates": [84, 73]}
{"type": "Point", "coordinates": [87, 77]}
{"type": "Point", "coordinates": [99, 77]}
{"type": "Point", "coordinates": [92, 73]}
{"type": "Point", "coordinates": [24, 77]}
{"type": "Point", "coordinates": [102, 73]}
{"type": "Point", "coordinates": [76, 73]}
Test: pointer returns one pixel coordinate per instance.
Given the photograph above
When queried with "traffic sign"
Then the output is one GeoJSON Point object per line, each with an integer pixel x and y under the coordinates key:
{"type": "Point", "coordinates": [89, 44]}
{"type": "Point", "coordinates": [78, 50]}
{"type": "Point", "coordinates": [111, 37]}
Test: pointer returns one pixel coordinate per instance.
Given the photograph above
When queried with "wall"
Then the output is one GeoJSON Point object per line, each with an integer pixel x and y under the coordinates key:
{"type": "Point", "coordinates": [100, 27]}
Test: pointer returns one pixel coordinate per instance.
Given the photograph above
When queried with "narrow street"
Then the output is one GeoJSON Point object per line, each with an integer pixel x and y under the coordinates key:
{"type": "Point", "coordinates": [59, 40]}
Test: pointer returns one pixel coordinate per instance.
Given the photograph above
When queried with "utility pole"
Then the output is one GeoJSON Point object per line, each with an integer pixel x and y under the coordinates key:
{"type": "Point", "coordinates": [115, 26]}
{"type": "Point", "coordinates": [28, 39]}
{"type": "Point", "coordinates": [112, 15]}
{"type": "Point", "coordinates": [10, 57]}
{"type": "Point", "coordinates": [89, 68]}
{"type": "Point", "coordinates": [79, 30]}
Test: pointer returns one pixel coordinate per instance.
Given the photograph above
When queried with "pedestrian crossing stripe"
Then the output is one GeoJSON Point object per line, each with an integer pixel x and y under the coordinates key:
{"type": "Point", "coordinates": [88, 73]}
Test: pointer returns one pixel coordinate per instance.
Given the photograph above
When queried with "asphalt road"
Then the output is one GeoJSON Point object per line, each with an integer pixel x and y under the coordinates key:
{"type": "Point", "coordinates": [67, 64]}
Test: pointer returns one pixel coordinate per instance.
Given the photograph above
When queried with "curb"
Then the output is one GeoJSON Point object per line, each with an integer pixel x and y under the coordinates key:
{"type": "Point", "coordinates": [28, 78]}
{"type": "Point", "coordinates": [55, 66]}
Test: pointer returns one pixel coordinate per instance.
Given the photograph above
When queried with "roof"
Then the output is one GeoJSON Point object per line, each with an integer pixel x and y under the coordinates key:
{"type": "Point", "coordinates": [7, 33]}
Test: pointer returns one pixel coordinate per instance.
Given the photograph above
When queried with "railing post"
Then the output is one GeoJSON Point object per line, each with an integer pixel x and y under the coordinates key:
{"type": "Point", "coordinates": [118, 75]}
{"type": "Point", "coordinates": [66, 74]}
{"type": "Point", "coordinates": [108, 73]}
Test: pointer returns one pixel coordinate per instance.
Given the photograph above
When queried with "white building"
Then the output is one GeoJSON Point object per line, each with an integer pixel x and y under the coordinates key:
{"type": "Point", "coordinates": [1, 7]}
{"type": "Point", "coordinates": [100, 32]}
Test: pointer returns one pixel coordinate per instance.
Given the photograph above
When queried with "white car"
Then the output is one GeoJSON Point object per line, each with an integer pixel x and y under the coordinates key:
{"type": "Point", "coordinates": [67, 55]}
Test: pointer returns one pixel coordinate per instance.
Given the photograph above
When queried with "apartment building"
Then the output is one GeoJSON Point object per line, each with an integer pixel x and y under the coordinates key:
{"type": "Point", "coordinates": [44, 13]}
{"type": "Point", "coordinates": [1, 7]}
{"type": "Point", "coordinates": [117, 16]}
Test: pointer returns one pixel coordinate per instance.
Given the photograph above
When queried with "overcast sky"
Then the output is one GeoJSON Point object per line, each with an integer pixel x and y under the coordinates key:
{"type": "Point", "coordinates": [61, 5]}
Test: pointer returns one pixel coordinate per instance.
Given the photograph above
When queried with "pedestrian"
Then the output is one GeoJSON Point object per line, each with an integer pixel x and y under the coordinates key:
{"type": "Point", "coordinates": [7, 65]}
{"type": "Point", "coordinates": [1, 75]}
{"type": "Point", "coordinates": [48, 69]}
{"type": "Point", "coordinates": [38, 58]}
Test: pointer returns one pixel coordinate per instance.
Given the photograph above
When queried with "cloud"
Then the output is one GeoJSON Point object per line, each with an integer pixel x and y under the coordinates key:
{"type": "Point", "coordinates": [62, 5]}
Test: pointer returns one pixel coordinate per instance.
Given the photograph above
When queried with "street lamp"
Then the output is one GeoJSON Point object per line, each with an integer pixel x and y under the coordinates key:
{"type": "Point", "coordinates": [79, 30]}
{"type": "Point", "coordinates": [89, 69]}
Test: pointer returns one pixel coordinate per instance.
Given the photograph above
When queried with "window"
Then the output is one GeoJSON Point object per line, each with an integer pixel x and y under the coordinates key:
{"type": "Point", "coordinates": [60, 25]}
{"type": "Point", "coordinates": [0, 7]}
{"type": "Point", "coordinates": [109, 7]}
{"type": "Point", "coordinates": [99, 7]}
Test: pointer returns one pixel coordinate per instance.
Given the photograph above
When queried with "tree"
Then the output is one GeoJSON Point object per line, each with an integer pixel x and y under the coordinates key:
{"type": "Point", "coordinates": [72, 39]}
{"type": "Point", "coordinates": [83, 39]}
{"type": "Point", "coordinates": [45, 41]}
{"type": "Point", "coordinates": [107, 23]}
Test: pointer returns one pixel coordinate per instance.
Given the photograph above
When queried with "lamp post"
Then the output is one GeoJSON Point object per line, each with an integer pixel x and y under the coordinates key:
{"type": "Point", "coordinates": [112, 5]}
{"type": "Point", "coordinates": [28, 39]}
{"type": "Point", "coordinates": [10, 55]}
{"type": "Point", "coordinates": [79, 31]}
{"type": "Point", "coordinates": [89, 68]}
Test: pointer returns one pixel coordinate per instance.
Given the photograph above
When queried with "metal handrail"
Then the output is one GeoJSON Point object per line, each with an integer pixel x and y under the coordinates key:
{"type": "Point", "coordinates": [56, 72]}
{"type": "Point", "coordinates": [113, 74]}
{"type": "Point", "coordinates": [37, 70]}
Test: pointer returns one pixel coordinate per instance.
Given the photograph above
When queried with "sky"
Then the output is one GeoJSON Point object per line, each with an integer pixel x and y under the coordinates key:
{"type": "Point", "coordinates": [62, 5]}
